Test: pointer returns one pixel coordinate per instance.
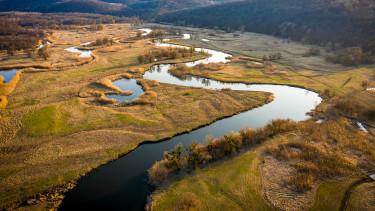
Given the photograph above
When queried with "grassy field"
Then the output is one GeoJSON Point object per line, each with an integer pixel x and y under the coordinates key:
{"type": "Point", "coordinates": [235, 184]}
{"type": "Point", "coordinates": [263, 178]}
{"type": "Point", "coordinates": [53, 130]}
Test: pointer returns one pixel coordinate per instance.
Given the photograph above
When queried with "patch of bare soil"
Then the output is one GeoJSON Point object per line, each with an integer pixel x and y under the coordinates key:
{"type": "Point", "coordinates": [275, 174]}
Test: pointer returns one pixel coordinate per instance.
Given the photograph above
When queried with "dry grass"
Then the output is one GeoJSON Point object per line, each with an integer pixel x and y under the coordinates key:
{"type": "Point", "coordinates": [61, 39]}
{"type": "Point", "coordinates": [63, 136]}
{"type": "Point", "coordinates": [313, 154]}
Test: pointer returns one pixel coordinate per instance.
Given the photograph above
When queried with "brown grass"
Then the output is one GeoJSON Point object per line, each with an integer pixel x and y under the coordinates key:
{"type": "Point", "coordinates": [3, 102]}
{"type": "Point", "coordinates": [325, 151]}
{"type": "Point", "coordinates": [180, 71]}
{"type": "Point", "coordinates": [160, 54]}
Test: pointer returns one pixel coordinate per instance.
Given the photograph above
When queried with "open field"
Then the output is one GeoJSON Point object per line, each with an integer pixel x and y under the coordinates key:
{"type": "Point", "coordinates": [54, 130]}
{"type": "Point", "coordinates": [257, 45]}
{"type": "Point", "coordinates": [61, 39]}
{"type": "Point", "coordinates": [263, 178]}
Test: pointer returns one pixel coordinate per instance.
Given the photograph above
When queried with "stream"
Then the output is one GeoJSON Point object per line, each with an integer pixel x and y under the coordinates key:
{"type": "Point", "coordinates": [122, 184]}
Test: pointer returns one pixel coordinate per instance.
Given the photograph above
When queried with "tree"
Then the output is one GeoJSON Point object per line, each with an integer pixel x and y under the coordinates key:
{"type": "Point", "coordinates": [364, 84]}
{"type": "Point", "coordinates": [197, 155]}
{"type": "Point", "coordinates": [44, 52]}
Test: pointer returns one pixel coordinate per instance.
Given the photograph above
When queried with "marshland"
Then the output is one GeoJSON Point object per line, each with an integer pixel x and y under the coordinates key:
{"type": "Point", "coordinates": [114, 113]}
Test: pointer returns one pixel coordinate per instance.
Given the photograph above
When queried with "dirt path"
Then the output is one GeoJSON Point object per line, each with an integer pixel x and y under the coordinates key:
{"type": "Point", "coordinates": [349, 191]}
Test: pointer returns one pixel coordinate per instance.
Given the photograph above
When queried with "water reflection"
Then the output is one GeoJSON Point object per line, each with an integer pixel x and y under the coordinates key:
{"type": "Point", "coordinates": [122, 184]}
{"type": "Point", "coordinates": [127, 85]}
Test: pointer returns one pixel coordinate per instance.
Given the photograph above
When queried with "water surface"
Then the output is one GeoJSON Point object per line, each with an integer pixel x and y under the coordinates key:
{"type": "Point", "coordinates": [146, 31]}
{"type": "Point", "coordinates": [8, 74]}
{"type": "Point", "coordinates": [125, 85]}
{"type": "Point", "coordinates": [82, 53]}
{"type": "Point", "coordinates": [122, 184]}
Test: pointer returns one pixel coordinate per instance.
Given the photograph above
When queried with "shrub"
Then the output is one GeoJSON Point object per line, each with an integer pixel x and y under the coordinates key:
{"type": "Point", "coordinates": [158, 173]}
{"type": "Point", "coordinates": [44, 53]}
{"type": "Point", "coordinates": [103, 41]}
{"type": "Point", "coordinates": [232, 143]}
{"type": "Point", "coordinates": [249, 136]}
{"type": "Point", "coordinates": [350, 57]}
{"type": "Point", "coordinates": [279, 126]}
{"type": "Point", "coordinates": [197, 155]}
{"type": "Point", "coordinates": [272, 57]}
{"type": "Point", "coordinates": [188, 201]}
{"type": "Point", "coordinates": [166, 53]}
{"type": "Point", "coordinates": [156, 34]}
{"type": "Point", "coordinates": [364, 85]}
{"type": "Point", "coordinates": [174, 158]}
{"type": "Point", "coordinates": [313, 52]}
{"type": "Point", "coordinates": [302, 182]}
{"type": "Point", "coordinates": [180, 70]}
{"type": "Point", "coordinates": [349, 107]}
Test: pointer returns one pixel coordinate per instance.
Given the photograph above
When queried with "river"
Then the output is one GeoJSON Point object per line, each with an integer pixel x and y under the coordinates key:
{"type": "Point", "coordinates": [122, 184]}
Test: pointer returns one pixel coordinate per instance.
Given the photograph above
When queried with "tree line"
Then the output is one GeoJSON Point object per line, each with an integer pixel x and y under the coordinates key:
{"type": "Point", "coordinates": [14, 37]}
{"type": "Point", "coordinates": [310, 21]}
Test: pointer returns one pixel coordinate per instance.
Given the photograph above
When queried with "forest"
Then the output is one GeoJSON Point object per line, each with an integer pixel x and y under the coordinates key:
{"type": "Point", "coordinates": [310, 21]}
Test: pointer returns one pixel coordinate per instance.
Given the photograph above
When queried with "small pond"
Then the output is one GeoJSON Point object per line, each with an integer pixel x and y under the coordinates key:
{"type": "Point", "coordinates": [127, 85]}
{"type": "Point", "coordinates": [82, 53]}
{"type": "Point", "coordinates": [8, 74]}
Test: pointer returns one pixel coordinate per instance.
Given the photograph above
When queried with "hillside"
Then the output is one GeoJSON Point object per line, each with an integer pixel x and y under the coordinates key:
{"type": "Point", "coordinates": [142, 8]}
{"type": "Point", "coordinates": [332, 23]}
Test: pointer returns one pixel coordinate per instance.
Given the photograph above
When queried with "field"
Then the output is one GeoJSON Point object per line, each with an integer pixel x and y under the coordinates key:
{"type": "Point", "coordinates": [248, 181]}
{"type": "Point", "coordinates": [265, 177]}
{"type": "Point", "coordinates": [55, 128]}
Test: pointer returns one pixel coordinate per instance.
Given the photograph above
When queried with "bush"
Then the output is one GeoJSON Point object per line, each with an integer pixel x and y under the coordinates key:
{"type": "Point", "coordinates": [188, 201]}
{"type": "Point", "coordinates": [197, 155]}
{"type": "Point", "coordinates": [174, 158]}
{"type": "Point", "coordinates": [158, 173]}
{"type": "Point", "coordinates": [180, 70]}
{"type": "Point", "coordinates": [215, 149]}
{"type": "Point", "coordinates": [272, 57]}
{"type": "Point", "coordinates": [313, 52]}
{"type": "Point", "coordinates": [166, 53]}
{"type": "Point", "coordinates": [156, 34]}
{"type": "Point", "coordinates": [302, 182]}
{"type": "Point", "coordinates": [44, 53]}
{"type": "Point", "coordinates": [232, 143]}
{"type": "Point", "coordinates": [103, 41]}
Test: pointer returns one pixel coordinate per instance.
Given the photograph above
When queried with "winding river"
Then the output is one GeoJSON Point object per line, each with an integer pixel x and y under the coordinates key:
{"type": "Point", "coordinates": [122, 184]}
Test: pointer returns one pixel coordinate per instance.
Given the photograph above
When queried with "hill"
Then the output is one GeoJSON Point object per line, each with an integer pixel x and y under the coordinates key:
{"type": "Point", "coordinates": [334, 23]}
{"type": "Point", "coordinates": [142, 8]}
